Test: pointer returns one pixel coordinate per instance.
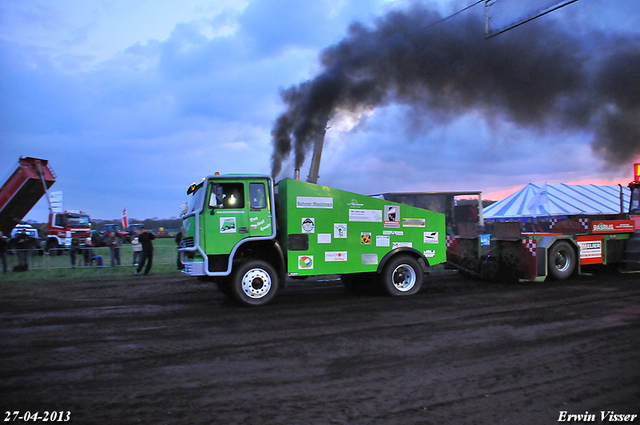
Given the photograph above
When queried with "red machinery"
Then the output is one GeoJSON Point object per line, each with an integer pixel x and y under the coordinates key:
{"type": "Point", "coordinates": [23, 189]}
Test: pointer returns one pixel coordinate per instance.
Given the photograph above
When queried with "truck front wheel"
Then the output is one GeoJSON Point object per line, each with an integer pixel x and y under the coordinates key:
{"type": "Point", "coordinates": [562, 261]}
{"type": "Point", "coordinates": [254, 283]}
{"type": "Point", "coordinates": [51, 246]}
{"type": "Point", "coordinates": [402, 276]}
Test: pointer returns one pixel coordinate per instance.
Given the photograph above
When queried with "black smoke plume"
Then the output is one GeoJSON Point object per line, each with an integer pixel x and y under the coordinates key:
{"type": "Point", "coordinates": [539, 76]}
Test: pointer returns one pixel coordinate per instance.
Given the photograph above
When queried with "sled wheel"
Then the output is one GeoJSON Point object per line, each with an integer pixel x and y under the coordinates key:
{"type": "Point", "coordinates": [562, 261]}
{"type": "Point", "coordinates": [254, 283]}
{"type": "Point", "coordinates": [402, 276]}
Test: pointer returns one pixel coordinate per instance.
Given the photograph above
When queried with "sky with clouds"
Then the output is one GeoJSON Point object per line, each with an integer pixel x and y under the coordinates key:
{"type": "Point", "coordinates": [132, 101]}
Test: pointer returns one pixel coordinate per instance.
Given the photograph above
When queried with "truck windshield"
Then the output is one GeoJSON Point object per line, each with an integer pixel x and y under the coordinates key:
{"type": "Point", "coordinates": [195, 200]}
{"type": "Point", "coordinates": [78, 221]}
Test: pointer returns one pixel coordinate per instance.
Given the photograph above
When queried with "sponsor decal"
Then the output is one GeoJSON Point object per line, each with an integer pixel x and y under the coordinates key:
{"type": "Point", "coordinates": [613, 226]}
{"type": "Point", "coordinates": [570, 225]}
{"type": "Point", "coordinates": [365, 238]}
{"type": "Point", "coordinates": [413, 222]}
{"type": "Point", "coordinates": [308, 225]}
{"type": "Point", "coordinates": [340, 230]}
{"type": "Point", "coordinates": [431, 237]}
{"type": "Point", "coordinates": [335, 256]}
{"type": "Point", "coordinates": [430, 253]}
{"type": "Point", "coordinates": [305, 262]}
{"type": "Point", "coordinates": [314, 202]}
{"type": "Point", "coordinates": [324, 237]}
{"type": "Point", "coordinates": [393, 232]}
{"type": "Point", "coordinates": [265, 227]}
{"type": "Point", "coordinates": [369, 259]}
{"type": "Point", "coordinates": [590, 249]}
{"type": "Point", "coordinates": [227, 225]}
{"type": "Point", "coordinates": [370, 216]}
{"type": "Point", "coordinates": [255, 224]}
{"type": "Point", "coordinates": [397, 245]}
{"type": "Point", "coordinates": [383, 240]}
{"type": "Point", "coordinates": [601, 227]}
{"type": "Point", "coordinates": [355, 204]}
{"type": "Point", "coordinates": [391, 216]}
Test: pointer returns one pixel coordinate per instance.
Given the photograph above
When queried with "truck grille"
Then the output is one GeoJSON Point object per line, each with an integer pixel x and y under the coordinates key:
{"type": "Point", "coordinates": [188, 242]}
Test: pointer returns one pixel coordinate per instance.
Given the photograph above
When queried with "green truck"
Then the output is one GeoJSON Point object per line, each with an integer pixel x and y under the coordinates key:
{"type": "Point", "coordinates": [248, 235]}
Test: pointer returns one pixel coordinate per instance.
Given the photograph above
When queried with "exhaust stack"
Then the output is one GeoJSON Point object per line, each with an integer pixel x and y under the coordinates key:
{"type": "Point", "coordinates": [314, 169]}
{"type": "Point", "coordinates": [296, 173]}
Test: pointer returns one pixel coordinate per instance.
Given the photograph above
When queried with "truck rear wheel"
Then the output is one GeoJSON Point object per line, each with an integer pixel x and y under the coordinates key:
{"type": "Point", "coordinates": [562, 260]}
{"type": "Point", "coordinates": [254, 283]}
{"type": "Point", "coordinates": [402, 276]}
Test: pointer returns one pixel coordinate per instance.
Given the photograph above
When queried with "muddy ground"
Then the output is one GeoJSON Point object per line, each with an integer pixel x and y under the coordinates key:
{"type": "Point", "coordinates": [173, 351]}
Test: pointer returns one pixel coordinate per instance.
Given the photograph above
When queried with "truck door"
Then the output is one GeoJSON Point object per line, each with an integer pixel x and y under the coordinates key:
{"type": "Point", "coordinates": [260, 221]}
{"type": "Point", "coordinates": [227, 220]}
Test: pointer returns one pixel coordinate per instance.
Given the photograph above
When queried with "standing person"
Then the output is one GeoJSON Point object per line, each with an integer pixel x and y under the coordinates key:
{"type": "Point", "coordinates": [137, 249]}
{"type": "Point", "coordinates": [23, 243]}
{"type": "Point", "coordinates": [3, 252]}
{"type": "Point", "coordinates": [146, 240]}
{"type": "Point", "coordinates": [73, 251]}
{"type": "Point", "coordinates": [114, 244]}
{"type": "Point", "coordinates": [179, 243]}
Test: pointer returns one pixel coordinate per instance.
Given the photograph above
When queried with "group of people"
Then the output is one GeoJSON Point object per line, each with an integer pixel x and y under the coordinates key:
{"type": "Point", "coordinates": [142, 245]}
{"type": "Point", "coordinates": [142, 251]}
{"type": "Point", "coordinates": [23, 245]}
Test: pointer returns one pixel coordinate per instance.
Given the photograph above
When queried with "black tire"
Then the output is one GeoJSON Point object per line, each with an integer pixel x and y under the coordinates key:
{"type": "Point", "coordinates": [562, 260]}
{"type": "Point", "coordinates": [52, 246]}
{"type": "Point", "coordinates": [254, 283]}
{"type": "Point", "coordinates": [402, 276]}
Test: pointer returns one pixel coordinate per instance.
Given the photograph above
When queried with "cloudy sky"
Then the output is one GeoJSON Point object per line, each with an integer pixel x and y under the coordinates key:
{"type": "Point", "coordinates": [132, 101]}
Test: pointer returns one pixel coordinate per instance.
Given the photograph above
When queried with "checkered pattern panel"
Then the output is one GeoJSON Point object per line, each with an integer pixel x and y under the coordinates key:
{"type": "Point", "coordinates": [584, 222]}
{"type": "Point", "coordinates": [449, 241]}
{"type": "Point", "coordinates": [530, 245]}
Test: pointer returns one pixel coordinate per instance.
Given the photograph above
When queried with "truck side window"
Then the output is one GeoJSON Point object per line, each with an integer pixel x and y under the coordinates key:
{"type": "Point", "coordinates": [227, 196]}
{"type": "Point", "coordinates": [258, 198]}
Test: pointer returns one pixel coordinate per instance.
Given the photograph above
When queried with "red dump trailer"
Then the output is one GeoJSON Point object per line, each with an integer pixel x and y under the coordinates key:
{"type": "Point", "coordinates": [23, 189]}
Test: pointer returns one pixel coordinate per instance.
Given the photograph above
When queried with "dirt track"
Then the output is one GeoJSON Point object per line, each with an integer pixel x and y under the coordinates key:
{"type": "Point", "coordinates": [175, 351]}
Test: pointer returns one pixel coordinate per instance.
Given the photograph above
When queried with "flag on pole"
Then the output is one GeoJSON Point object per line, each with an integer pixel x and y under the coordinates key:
{"type": "Point", "coordinates": [124, 219]}
{"type": "Point", "coordinates": [540, 199]}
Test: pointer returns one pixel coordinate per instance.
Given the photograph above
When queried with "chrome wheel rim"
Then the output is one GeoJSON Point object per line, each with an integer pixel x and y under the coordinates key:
{"type": "Point", "coordinates": [256, 283]}
{"type": "Point", "coordinates": [404, 278]}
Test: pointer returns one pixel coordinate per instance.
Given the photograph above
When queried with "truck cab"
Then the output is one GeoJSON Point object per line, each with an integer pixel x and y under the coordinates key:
{"type": "Point", "coordinates": [230, 222]}
{"type": "Point", "coordinates": [65, 226]}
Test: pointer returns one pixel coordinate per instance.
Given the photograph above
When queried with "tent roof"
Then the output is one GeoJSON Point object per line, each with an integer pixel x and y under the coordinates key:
{"type": "Point", "coordinates": [559, 200]}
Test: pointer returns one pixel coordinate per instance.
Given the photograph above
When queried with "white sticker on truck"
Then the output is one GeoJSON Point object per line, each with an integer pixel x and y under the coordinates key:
{"type": "Point", "coordinates": [369, 216]}
{"type": "Point", "coordinates": [335, 256]}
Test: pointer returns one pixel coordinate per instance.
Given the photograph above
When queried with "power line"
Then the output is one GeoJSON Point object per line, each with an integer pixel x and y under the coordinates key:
{"type": "Point", "coordinates": [523, 21]}
{"type": "Point", "coordinates": [457, 13]}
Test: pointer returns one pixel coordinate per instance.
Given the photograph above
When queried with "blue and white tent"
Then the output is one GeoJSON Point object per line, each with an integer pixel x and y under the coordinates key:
{"type": "Point", "coordinates": [558, 200]}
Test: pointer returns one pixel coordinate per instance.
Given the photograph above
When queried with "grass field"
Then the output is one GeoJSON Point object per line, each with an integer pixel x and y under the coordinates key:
{"type": "Point", "coordinates": [47, 268]}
